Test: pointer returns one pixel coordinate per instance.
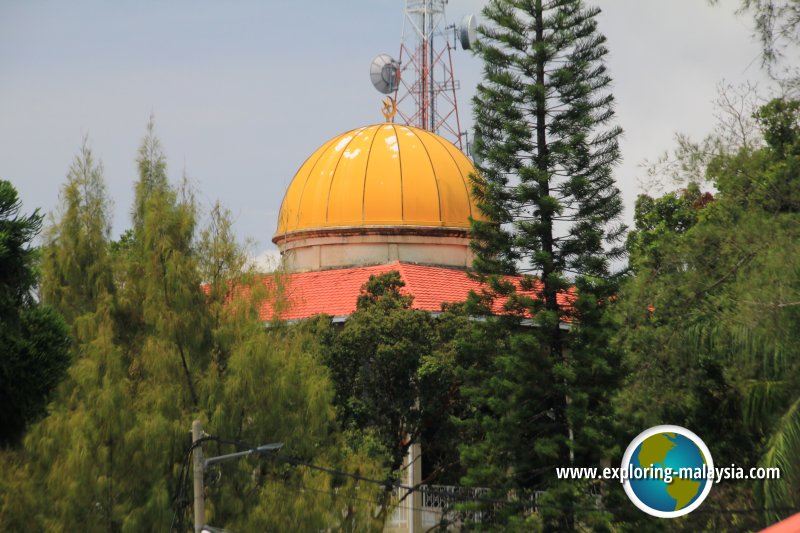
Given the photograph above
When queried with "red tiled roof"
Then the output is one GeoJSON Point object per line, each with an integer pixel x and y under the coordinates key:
{"type": "Point", "coordinates": [790, 525]}
{"type": "Point", "coordinates": [334, 292]}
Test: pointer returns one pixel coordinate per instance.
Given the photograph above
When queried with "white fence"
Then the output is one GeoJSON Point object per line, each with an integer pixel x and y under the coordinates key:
{"type": "Point", "coordinates": [439, 504]}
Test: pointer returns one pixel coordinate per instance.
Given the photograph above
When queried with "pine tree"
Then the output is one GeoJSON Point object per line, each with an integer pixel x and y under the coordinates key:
{"type": "Point", "coordinates": [111, 449]}
{"type": "Point", "coordinates": [546, 147]}
{"type": "Point", "coordinates": [17, 269]}
{"type": "Point", "coordinates": [34, 346]}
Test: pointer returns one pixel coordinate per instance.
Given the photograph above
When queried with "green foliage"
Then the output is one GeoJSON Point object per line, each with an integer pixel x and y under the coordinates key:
{"type": "Point", "coordinates": [276, 390]}
{"type": "Point", "coordinates": [544, 143]}
{"type": "Point", "coordinates": [375, 363]}
{"type": "Point", "coordinates": [546, 147]}
{"type": "Point", "coordinates": [85, 451]}
{"type": "Point", "coordinates": [162, 300]}
{"type": "Point", "coordinates": [777, 22]}
{"type": "Point", "coordinates": [508, 423]}
{"type": "Point", "coordinates": [153, 348]}
{"type": "Point", "coordinates": [396, 376]}
{"type": "Point", "coordinates": [659, 221]}
{"type": "Point", "coordinates": [511, 436]}
{"type": "Point", "coordinates": [716, 291]}
{"type": "Point", "coordinates": [17, 258]}
{"type": "Point", "coordinates": [34, 347]}
{"type": "Point", "coordinates": [75, 270]}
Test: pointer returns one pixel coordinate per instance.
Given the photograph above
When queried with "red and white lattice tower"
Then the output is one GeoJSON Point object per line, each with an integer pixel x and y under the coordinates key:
{"type": "Point", "coordinates": [426, 89]}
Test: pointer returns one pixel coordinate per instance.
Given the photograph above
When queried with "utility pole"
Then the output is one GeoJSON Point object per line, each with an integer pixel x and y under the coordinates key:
{"type": "Point", "coordinates": [199, 492]}
{"type": "Point", "coordinates": [200, 463]}
{"type": "Point", "coordinates": [415, 480]}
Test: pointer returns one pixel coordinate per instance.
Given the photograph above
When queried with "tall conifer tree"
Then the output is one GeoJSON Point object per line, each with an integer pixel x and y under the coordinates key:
{"type": "Point", "coordinates": [546, 146]}
{"type": "Point", "coordinates": [75, 262]}
{"type": "Point", "coordinates": [111, 449]}
{"type": "Point", "coordinates": [163, 297]}
{"type": "Point", "coordinates": [34, 346]}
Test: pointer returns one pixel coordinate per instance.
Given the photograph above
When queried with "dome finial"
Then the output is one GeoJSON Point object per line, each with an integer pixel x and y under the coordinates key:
{"type": "Point", "coordinates": [389, 108]}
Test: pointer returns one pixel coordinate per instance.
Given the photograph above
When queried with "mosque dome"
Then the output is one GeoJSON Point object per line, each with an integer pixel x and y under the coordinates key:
{"type": "Point", "coordinates": [381, 175]}
{"type": "Point", "coordinates": [373, 187]}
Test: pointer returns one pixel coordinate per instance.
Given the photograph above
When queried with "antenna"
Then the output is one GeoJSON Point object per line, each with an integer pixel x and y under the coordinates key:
{"type": "Point", "coordinates": [385, 73]}
{"type": "Point", "coordinates": [424, 85]}
{"type": "Point", "coordinates": [468, 32]}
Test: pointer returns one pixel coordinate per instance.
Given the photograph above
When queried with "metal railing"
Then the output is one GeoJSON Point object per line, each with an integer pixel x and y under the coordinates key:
{"type": "Point", "coordinates": [441, 505]}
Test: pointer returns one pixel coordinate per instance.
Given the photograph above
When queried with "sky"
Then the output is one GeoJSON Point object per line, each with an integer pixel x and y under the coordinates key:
{"type": "Point", "coordinates": [243, 92]}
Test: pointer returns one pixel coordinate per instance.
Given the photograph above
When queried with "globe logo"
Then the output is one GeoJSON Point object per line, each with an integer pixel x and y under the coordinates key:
{"type": "Point", "coordinates": [667, 471]}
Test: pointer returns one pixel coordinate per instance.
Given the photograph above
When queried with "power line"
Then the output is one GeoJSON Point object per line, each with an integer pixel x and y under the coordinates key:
{"type": "Point", "coordinates": [447, 495]}
{"type": "Point", "coordinates": [184, 480]}
{"type": "Point", "coordinates": [386, 483]}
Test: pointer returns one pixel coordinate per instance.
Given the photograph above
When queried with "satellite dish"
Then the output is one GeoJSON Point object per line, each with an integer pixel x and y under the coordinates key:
{"type": "Point", "coordinates": [385, 73]}
{"type": "Point", "coordinates": [468, 32]}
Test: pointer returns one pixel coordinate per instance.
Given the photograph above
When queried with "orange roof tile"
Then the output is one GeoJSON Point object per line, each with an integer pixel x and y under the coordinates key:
{"type": "Point", "coordinates": [790, 525]}
{"type": "Point", "coordinates": [334, 292]}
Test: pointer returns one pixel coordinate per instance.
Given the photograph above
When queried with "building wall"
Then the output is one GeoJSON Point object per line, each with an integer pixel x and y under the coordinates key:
{"type": "Point", "coordinates": [328, 252]}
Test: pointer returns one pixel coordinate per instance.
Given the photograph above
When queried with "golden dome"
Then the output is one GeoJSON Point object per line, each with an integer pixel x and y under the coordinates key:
{"type": "Point", "coordinates": [381, 175]}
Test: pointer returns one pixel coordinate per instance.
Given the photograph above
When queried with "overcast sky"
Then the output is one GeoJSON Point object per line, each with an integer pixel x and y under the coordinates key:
{"type": "Point", "coordinates": [244, 91]}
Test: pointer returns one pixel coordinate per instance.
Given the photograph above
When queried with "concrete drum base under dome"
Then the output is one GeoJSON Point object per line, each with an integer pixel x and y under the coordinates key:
{"type": "Point", "coordinates": [349, 247]}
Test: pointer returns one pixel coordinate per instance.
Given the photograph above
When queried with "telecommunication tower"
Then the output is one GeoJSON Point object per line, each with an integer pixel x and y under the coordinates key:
{"type": "Point", "coordinates": [422, 79]}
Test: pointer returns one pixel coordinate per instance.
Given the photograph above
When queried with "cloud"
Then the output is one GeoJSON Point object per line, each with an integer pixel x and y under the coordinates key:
{"type": "Point", "coordinates": [266, 260]}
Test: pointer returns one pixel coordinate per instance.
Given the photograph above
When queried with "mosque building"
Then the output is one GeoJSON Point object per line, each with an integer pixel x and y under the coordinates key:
{"type": "Point", "coordinates": [380, 198]}
{"type": "Point", "coordinates": [388, 197]}
{"type": "Point", "coordinates": [375, 199]}
{"type": "Point", "coordinates": [391, 196]}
